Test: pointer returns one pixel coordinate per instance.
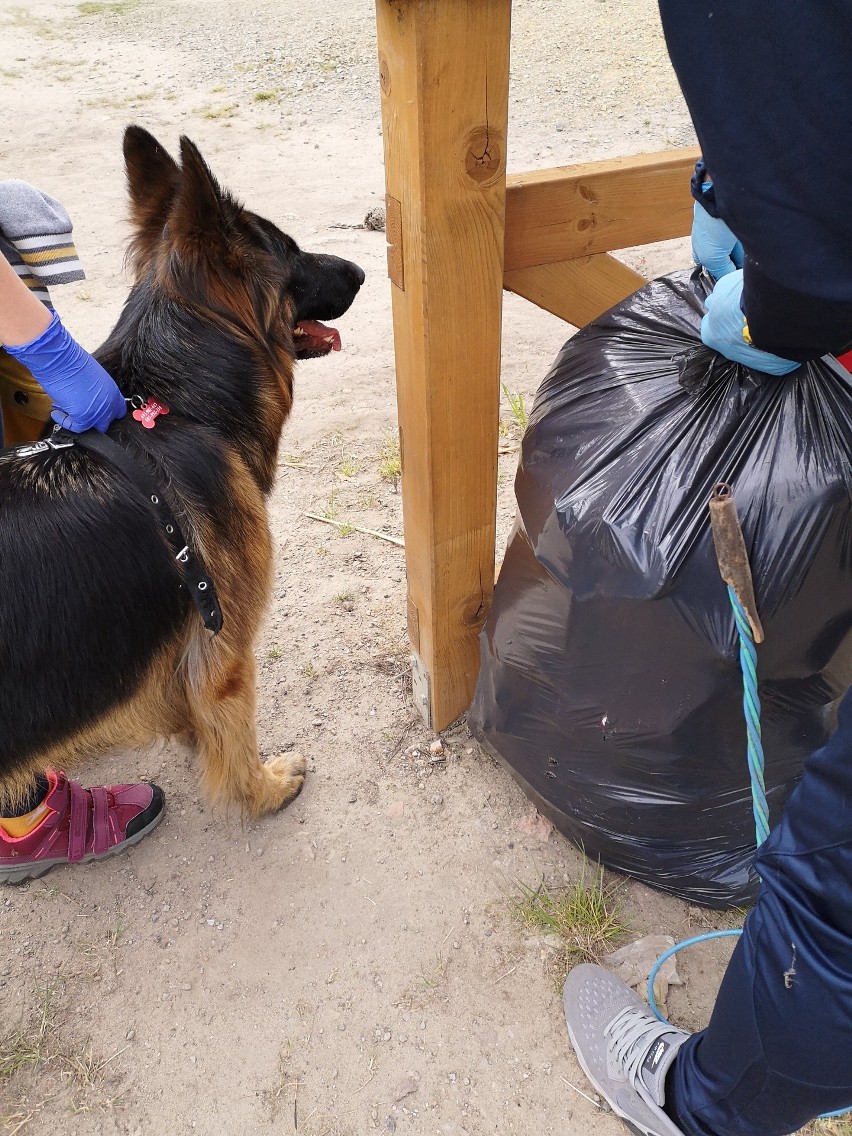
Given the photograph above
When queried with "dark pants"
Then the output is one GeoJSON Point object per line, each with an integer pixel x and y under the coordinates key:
{"type": "Point", "coordinates": [778, 1049]}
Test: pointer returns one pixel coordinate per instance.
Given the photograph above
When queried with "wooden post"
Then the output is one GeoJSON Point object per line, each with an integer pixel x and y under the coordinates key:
{"type": "Point", "coordinates": [444, 73]}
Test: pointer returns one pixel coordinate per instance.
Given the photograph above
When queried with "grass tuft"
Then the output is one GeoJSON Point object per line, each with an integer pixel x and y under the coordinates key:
{"type": "Point", "coordinates": [227, 110]}
{"type": "Point", "coordinates": [21, 18]}
{"type": "Point", "coordinates": [35, 1054]}
{"type": "Point", "coordinates": [516, 405]}
{"type": "Point", "coordinates": [584, 914]}
{"type": "Point", "coordinates": [390, 459]}
{"type": "Point", "coordinates": [106, 7]}
{"type": "Point", "coordinates": [26, 1045]}
{"type": "Point", "coordinates": [348, 467]}
{"type": "Point", "coordinates": [330, 510]}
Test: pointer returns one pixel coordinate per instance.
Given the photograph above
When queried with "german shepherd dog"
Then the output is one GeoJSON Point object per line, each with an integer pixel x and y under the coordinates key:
{"type": "Point", "coordinates": [100, 643]}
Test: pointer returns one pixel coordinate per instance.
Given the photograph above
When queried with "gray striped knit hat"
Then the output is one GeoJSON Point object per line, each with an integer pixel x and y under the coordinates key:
{"type": "Point", "coordinates": [35, 237]}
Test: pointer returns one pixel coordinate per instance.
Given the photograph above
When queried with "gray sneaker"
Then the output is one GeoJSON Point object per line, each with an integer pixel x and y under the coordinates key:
{"type": "Point", "coordinates": [623, 1049]}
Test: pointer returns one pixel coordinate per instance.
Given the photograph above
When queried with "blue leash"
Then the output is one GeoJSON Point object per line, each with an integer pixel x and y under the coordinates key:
{"type": "Point", "coordinates": [751, 710]}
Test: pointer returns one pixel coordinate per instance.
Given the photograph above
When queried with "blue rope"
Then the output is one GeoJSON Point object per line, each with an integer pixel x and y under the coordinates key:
{"type": "Point", "coordinates": [760, 808]}
{"type": "Point", "coordinates": [751, 709]}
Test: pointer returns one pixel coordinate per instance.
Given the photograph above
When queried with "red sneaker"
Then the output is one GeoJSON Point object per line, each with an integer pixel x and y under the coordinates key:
{"type": "Point", "coordinates": [81, 824]}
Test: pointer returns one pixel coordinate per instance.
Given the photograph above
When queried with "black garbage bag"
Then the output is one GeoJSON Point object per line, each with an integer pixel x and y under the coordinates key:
{"type": "Point", "coordinates": [610, 682]}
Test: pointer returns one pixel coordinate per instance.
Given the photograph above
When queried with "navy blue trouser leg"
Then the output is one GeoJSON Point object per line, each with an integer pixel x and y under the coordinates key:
{"type": "Point", "coordinates": [778, 1048]}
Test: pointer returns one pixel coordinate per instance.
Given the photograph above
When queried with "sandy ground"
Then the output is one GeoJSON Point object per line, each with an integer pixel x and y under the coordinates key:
{"type": "Point", "coordinates": [353, 964]}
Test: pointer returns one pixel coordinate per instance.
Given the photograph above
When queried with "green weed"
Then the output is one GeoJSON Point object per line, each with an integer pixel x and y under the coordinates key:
{"type": "Point", "coordinates": [330, 510]}
{"type": "Point", "coordinates": [584, 914]}
{"type": "Point", "coordinates": [390, 459]}
{"type": "Point", "coordinates": [348, 467]}
{"type": "Point", "coordinates": [27, 1044]}
{"type": "Point", "coordinates": [516, 405]}
{"type": "Point", "coordinates": [227, 110]}
{"type": "Point", "coordinates": [107, 7]}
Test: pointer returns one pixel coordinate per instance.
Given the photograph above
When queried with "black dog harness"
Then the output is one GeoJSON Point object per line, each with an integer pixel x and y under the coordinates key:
{"type": "Point", "coordinates": [190, 567]}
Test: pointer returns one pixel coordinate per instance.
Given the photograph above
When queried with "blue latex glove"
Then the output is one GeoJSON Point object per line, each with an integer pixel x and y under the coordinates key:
{"type": "Point", "coordinates": [713, 244]}
{"type": "Point", "coordinates": [83, 393]}
{"type": "Point", "coordinates": [724, 329]}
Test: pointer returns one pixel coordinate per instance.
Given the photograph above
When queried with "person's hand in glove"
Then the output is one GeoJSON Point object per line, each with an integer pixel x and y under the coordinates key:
{"type": "Point", "coordinates": [83, 393]}
{"type": "Point", "coordinates": [724, 329]}
{"type": "Point", "coordinates": [714, 245]}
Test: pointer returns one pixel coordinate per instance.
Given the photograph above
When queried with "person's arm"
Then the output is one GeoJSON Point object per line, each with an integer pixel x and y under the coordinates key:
{"type": "Point", "coordinates": [84, 394]}
{"type": "Point", "coordinates": [771, 102]}
{"type": "Point", "coordinates": [22, 316]}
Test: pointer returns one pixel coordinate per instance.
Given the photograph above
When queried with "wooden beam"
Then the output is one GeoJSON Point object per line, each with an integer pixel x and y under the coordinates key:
{"type": "Point", "coordinates": [575, 290]}
{"type": "Point", "coordinates": [558, 214]}
{"type": "Point", "coordinates": [444, 73]}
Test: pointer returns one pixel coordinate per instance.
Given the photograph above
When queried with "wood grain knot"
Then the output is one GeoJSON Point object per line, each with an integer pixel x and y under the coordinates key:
{"type": "Point", "coordinates": [384, 75]}
{"type": "Point", "coordinates": [474, 610]}
{"type": "Point", "coordinates": [485, 156]}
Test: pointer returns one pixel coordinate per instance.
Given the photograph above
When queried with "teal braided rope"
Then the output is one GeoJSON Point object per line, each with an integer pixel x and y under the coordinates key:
{"type": "Point", "coordinates": [760, 808]}
{"type": "Point", "coordinates": [751, 709]}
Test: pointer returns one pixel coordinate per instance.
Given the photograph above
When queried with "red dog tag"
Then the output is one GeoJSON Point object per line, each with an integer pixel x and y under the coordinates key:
{"type": "Point", "coordinates": [149, 412]}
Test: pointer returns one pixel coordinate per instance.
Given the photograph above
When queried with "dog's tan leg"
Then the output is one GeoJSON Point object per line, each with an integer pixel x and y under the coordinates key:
{"type": "Point", "coordinates": [223, 717]}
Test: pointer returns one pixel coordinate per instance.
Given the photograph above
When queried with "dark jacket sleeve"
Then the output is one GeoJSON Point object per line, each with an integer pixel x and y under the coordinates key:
{"type": "Point", "coordinates": [767, 83]}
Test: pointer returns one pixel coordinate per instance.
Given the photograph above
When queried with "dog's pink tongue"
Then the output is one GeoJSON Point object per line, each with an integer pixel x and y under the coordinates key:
{"type": "Point", "coordinates": [319, 335]}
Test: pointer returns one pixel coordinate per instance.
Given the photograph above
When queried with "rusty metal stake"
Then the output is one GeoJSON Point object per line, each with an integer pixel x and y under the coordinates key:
{"type": "Point", "coordinates": [731, 553]}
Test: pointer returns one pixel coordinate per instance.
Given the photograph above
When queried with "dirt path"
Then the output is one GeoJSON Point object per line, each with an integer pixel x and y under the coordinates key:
{"type": "Point", "coordinates": [353, 964]}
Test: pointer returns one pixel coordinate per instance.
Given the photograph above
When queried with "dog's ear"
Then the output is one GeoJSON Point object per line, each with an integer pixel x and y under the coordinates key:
{"type": "Point", "coordinates": [212, 256]}
{"type": "Point", "coordinates": [203, 217]}
{"type": "Point", "coordinates": [153, 177]}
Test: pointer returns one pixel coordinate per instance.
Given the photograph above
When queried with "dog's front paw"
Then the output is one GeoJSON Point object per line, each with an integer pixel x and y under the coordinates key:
{"type": "Point", "coordinates": [284, 776]}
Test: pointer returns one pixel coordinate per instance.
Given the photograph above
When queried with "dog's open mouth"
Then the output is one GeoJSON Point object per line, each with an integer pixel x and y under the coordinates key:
{"type": "Point", "coordinates": [312, 338]}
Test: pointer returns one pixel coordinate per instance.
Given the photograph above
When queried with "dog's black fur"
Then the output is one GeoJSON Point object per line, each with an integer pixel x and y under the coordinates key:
{"type": "Point", "coordinates": [99, 643]}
